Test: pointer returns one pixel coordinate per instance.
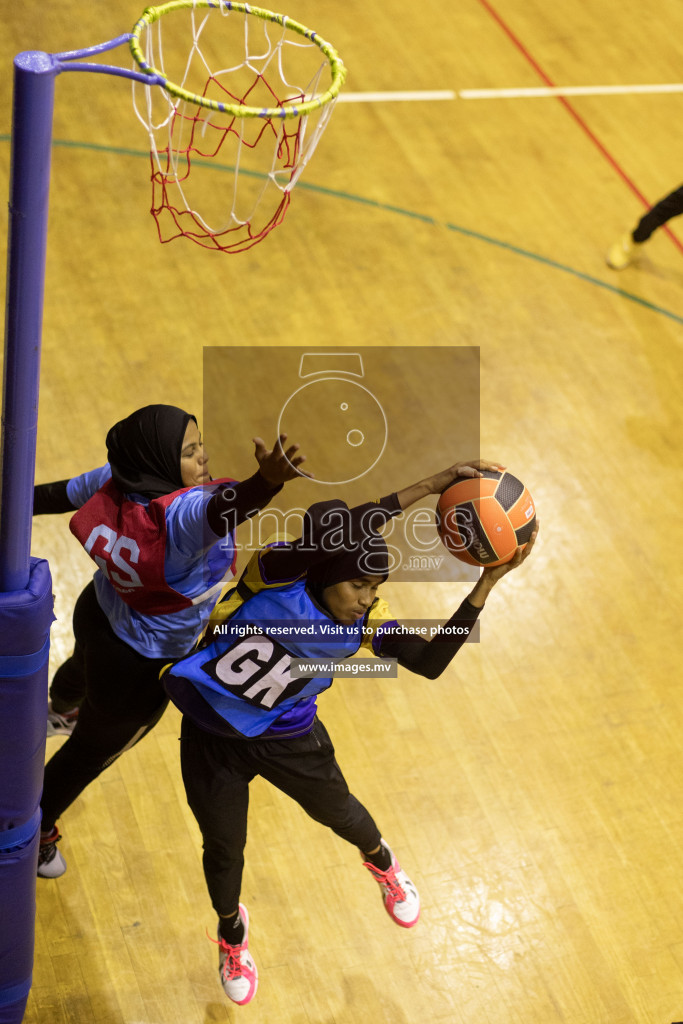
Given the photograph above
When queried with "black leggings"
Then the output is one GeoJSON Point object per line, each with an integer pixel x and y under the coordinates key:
{"type": "Point", "coordinates": [217, 773]}
{"type": "Point", "coordinates": [120, 698]}
{"type": "Point", "coordinates": [668, 207]}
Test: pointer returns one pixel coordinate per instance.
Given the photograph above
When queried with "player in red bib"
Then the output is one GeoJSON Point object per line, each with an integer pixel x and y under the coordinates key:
{"type": "Point", "coordinates": [162, 535]}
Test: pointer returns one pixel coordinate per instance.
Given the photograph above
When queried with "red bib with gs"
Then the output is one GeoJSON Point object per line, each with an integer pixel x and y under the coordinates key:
{"type": "Point", "coordinates": [127, 540]}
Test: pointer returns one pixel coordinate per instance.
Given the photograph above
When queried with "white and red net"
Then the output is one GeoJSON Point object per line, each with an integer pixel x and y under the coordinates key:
{"type": "Point", "coordinates": [224, 178]}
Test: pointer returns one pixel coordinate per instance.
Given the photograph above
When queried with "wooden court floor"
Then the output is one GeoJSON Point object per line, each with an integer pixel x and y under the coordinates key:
{"type": "Point", "coordinates": [533, 792]}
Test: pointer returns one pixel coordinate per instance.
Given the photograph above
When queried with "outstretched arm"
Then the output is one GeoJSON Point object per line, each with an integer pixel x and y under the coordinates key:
{"type": "Point", "coordinates": [51, 499]}
{"type": "Point", "coordinates": [238, 501]}
{"type": "Point", "coordinates": [287, 562]}
{"type": "Point", "coordinates": [494, 574]}
{"type": "Point", "coordinates": [438, 483]}
{"type": "Point", "coordinates": [276, 465]}
{"type": "Point", "coordinates": [429, 658]}
{"type": "Point", "coordinates": [68, 495]}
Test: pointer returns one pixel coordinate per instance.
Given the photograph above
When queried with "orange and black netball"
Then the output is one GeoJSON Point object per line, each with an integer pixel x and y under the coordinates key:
{"type": "Point", "coordinates": [482, 521]}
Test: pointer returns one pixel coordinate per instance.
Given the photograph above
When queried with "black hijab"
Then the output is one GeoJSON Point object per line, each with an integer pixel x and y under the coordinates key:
{"type": "Point", "coordinates": [144, 450]}
{"type": "Point", "coordinates": [356, 548]}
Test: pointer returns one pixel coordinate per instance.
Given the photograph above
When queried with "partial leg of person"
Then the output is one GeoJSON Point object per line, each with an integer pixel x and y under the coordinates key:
{"type": "Point", "coordinates": [124, 700]}
{"type": "Point", "coordinates": [668, 207]}
{"type": "Point", "coordinates": [216, 779]}
{"type": "Point", "coordinates": [306, 769]}
{"type": "Point", "coordinates": [621, 254]}
{"type": "Point", "coordinates": [67, 690]}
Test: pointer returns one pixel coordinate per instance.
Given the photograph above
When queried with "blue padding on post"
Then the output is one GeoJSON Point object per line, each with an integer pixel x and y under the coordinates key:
{"type": "Point", "coordinates": [13, 993]}
{"type": "Point", "coordinates": [13, 839]}
{"type": "Point", "coordinates": [18, 902]}
{"type": "Point", "coordinates": [13, 665]}
{"type": "Point", "coordinates": [26, 615]}
{"type": "Point", "coordinates": [25, 618]}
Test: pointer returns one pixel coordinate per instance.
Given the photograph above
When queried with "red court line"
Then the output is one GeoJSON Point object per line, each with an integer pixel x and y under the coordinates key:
{"type": "Point", "coordinates": [575, 114]}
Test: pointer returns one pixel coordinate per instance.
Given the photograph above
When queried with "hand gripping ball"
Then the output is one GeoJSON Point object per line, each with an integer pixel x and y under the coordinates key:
{"type": "Point", "coordinates": [483, 520]}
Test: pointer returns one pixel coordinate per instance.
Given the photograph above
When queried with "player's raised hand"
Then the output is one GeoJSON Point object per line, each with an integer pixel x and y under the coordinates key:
{"type": "Point", "coordinates": [496, 572]}
{"type": "Point", "coordinates": [471, 468]}
{"type": "Point", "coordinates": [277, 465]}
{"type": "Point", "coordinates": [491, 575]}
{"type": "Point", "coordinates": [438, 483]}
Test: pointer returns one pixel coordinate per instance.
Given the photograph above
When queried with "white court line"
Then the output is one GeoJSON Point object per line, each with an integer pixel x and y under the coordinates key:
{"type": "Point", "coordinates": [395, 97]}
{"type": "Point", "coordinates": [427, 95]}
{"type": "Point", "coordinates": [569, 90]}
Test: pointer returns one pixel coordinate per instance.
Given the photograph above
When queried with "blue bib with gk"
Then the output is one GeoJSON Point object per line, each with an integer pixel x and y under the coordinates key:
{"type": "Point", "coordinates": [244, 674]}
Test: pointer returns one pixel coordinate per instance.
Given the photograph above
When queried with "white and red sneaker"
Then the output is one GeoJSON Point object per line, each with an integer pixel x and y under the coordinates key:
{"type": "Point", "coordinates": [60, 724]}
{"type": "Point", "coordinates": [51, 864]}
{"type": "Point", "coordinates": [236, 967]}
{"type": "Point", "coordinates": [400, 896]}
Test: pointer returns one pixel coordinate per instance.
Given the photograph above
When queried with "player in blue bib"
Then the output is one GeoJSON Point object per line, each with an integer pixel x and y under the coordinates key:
{"type": "Point", "coordinates": [248, 696]}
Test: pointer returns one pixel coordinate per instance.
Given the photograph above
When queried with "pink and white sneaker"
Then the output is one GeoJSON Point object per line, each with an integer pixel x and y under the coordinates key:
{"type": "Point", "coordinates": [400, 896]}
{"type": "Point", "coordinates": [236, 967]}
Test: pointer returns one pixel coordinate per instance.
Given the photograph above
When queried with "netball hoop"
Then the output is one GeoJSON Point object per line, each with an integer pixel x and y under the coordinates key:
{"type": "Point", "coordinates": [255, 91]}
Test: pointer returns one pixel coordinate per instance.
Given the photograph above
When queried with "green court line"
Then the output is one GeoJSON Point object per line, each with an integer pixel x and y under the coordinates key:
{"type": "Point", "coordinates": [401, 212]}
